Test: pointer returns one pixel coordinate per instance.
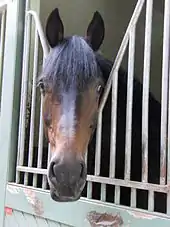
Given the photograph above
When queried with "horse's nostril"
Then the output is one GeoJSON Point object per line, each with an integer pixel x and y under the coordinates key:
{"type": "Point", "coordinates": [82, 171]}
{"type": "Point", "coordinates": [67, 173]}
{"type": "Point", "coordinates": [52, 173]}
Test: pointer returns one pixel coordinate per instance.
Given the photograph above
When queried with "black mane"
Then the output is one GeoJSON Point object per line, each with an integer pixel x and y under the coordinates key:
{"type": "Point", "coordinates": [106, 66]}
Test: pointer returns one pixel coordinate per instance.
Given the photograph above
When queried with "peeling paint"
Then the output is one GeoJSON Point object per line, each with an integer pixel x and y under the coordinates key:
{"type": "Point", "coordinates": [141, 215]}
{"type": "Point", "coordinates": [8, 211]}
{"type": "Point", "coordinates": [104, 219]}
{"type": "Point", "coordinates": [35, 202]}
{"type": "Point", "coordinates": [12, 189]}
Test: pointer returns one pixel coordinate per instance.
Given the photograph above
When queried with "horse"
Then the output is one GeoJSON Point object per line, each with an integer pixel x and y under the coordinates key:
{"type": "Point", "coordinates": [73, 79]}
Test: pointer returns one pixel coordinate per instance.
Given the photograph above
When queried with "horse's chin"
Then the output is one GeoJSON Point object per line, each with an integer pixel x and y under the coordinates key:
{"type": "Point", "coordinates": [55, 197]}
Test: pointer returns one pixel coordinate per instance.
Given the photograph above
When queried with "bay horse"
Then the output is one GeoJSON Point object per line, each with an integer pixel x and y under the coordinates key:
{"type": "Point", "coordinates": [73, 79]}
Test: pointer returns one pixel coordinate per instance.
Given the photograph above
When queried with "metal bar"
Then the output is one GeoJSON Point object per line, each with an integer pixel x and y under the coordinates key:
{"type": "Point", "coordinates": [113, 124]}
{"type": "Point", "coordinates": [44, 180]}
{"type": "Point", "coordinates": [168, 153]}
{"type": "Point", "coordinates": [151, 200]}
{"type": "Point", "coordinates": [117, 194]}
{"type": "Point", "coordinates": [40, 32]}
{"type": "Point", "coordinates": [48, 161]}
{"type": "Point", "coordinates": [145, 97]}
{"type": "Point", "coordinates": [103, 192]}
{"type": "Point", "coordinates": [129, 184]}
{"type": "Point", "coordinates": [121, 51]}
{"type": "Point", "coordinates": [129, 103]}
{"type": "Point", "coordinates": [3, 6]}
{"type": "Point", "coordinates": [25, 70]}
{"type": "Point", "coordinates": [105, 180]}
{"type": "Point", "coordinates": [40, 144]}
{"type": "Point", "coordinates": [86, 157]}
{"type": "Point", "coordinates": [89, 189]}
{"type": "Point", "coordinates": [33, 104]}
{"type": "Point", "coordinates": [40, 140]}
{"type": "Point", "coordinates": [31, 170]}
{"type": "Point", "coordinates": [165, 69]}
{"type": "Point", "coordinates": [133, 198]}
{"type": "Point", "coordinates": [98, 145]}
{"type": "Point", "coordinates": [2, 43]}
{"type": "Point", "coordinates": [49, 154]}
{"type": "Point", "coordinates": [167, 203]}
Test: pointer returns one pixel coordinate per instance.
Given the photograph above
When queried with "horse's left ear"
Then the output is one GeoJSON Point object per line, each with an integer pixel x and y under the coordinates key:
{"type": "Point", "coordinates": [96, 31]}
{"type": "Point", "coordinates": [54, 28]}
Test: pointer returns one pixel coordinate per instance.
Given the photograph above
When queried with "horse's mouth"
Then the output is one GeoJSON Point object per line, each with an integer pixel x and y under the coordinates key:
{"type": "Point", "coordinates": [60, 198]}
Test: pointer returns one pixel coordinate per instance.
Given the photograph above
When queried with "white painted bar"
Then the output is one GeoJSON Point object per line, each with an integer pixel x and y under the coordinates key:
{"type": "Point", "coordinates": [145, 97]}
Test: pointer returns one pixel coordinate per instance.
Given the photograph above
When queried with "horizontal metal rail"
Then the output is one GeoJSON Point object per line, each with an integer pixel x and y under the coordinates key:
{"type": "Point", "coordinates": [106, 180]}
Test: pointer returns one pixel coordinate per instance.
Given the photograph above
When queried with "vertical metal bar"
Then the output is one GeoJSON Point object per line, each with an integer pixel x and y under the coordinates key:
{"type": "Point", "coordinates": [40, 32]}
{"type": "Point", "coordinates": [167, 204]}
{"type": "Point", "coordinates": [103, 192]}
{"type": "Point", "coordinates": [40, 140]}
{"type": "Point", "coordinates": [2, 42]}
{"type": "Point", "coordinates": [98, 145]}
{"type": "Point", "coordinates": [48, 161]}
{"type": "Point", "coordinates": [49, 154]}
{"type": "Point", "coordinates": [33, 104]}
{"type": "Point", "coordinates": [113, 123]}
{"type": "Point", "coordinates": [145, 97]}
{"type": "Point", "coordinates": [129, 103]}
{"type": "Point", "coordinates": [41, 135]}
{"type": "Point", "coordinates": [21, 136]}
{"type": "Point", "coordinates": [133, 198]}
{"type": "Point", "coordinates": [151, 201]}
{"type": "Point", "coordinates": [86, 156]}
{"type": "Point", "coordinates": [117, 195]}
{"type": "Point", "coordinates": [44, 180]}
{"type": "Point", "coordinates": [168, 152]}
{"type": "Point", "coordinates": [165, 68]}
{"type": "Point", "coordinates": [89, 189]}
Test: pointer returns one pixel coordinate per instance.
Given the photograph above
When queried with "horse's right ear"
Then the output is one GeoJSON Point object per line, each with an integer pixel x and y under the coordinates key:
{"type": "Point", "coordinates": [54, 28]}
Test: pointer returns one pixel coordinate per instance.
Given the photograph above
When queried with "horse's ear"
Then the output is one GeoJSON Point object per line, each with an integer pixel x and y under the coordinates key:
{"type": "Point", "coordinates": [54, 28]}
{"type": "Point", "coordinates": [96, 31]}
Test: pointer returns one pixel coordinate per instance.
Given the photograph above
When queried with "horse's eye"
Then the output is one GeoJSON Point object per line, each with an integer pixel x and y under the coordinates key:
{"type": "Point", "coordinates": [92, 126]}
{"type": "Point", "coordinates": [47, 120]}
{"type": "Point", "coordinates": [41, 85]}
{"type": "Point", "coordinates": [99, 89]}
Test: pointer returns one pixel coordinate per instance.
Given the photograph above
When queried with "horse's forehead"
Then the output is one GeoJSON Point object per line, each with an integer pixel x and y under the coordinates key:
{"type": "Point", "coordinates": [70, 101]}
